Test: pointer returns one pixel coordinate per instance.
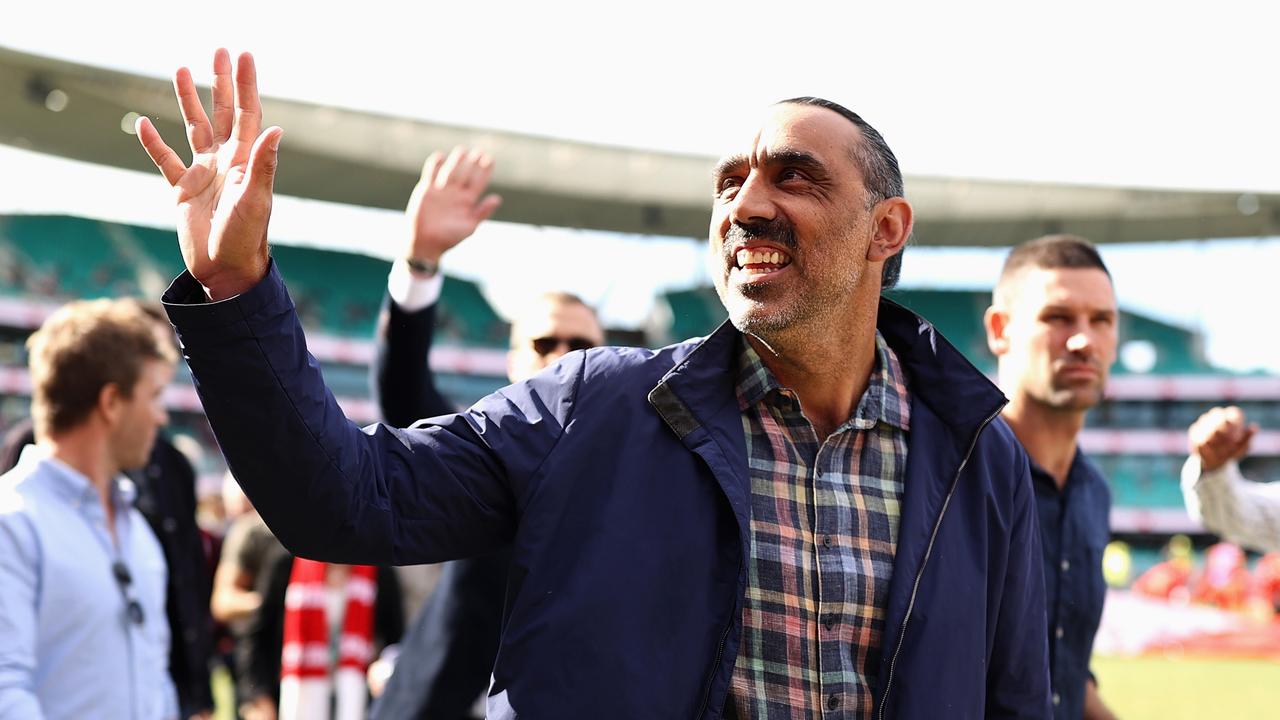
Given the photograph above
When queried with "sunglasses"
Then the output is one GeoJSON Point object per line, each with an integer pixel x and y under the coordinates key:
{"type": "Point", "coordinates": [133, 608]}
{"type": "Point", "coordinates": [546, 345]}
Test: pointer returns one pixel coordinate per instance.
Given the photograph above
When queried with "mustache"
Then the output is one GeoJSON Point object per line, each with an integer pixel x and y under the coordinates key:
{"type": "Point", "coordinates": [778, 231]}
{"type": "Point", "coordinates": [1076, 358]}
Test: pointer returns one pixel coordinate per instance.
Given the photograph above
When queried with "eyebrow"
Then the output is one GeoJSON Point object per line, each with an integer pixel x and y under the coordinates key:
{"type": "Point", "coordinates": [1109, 312]}
{"type": "Point", "coordinates": [797, 158]}
{"type": "Point", "coordinates": [783, 156]}
{"type": "Point", "coordinates": [727, 164]}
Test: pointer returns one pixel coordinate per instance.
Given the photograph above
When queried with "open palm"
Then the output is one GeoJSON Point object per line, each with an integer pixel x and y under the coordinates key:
{"type": "Point", "coordinates": [446, 205]}
{"type": "Point", "coordinates": [224, 196]}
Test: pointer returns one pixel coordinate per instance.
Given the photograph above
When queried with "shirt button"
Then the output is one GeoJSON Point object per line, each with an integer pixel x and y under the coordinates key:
{"type": "Point", "coordinates": [833, 702]}
{"type": "Point", "coordinates": [1066, 565]}
{"type": "Point", "coordinates": [1058, 633]}
{"type": "Point", "coordinates": [830, 622]}
{"type": "Point", "coordinates": [826, 542]}
{"type": "Point", "coordinates": [1057, 699]}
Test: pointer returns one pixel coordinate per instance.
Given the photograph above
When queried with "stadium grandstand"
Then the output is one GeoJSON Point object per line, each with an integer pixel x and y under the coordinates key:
{"type": "Point", "coordinates": [1137, 436]}
{"type": "Point", "coordinates": [48, 260]}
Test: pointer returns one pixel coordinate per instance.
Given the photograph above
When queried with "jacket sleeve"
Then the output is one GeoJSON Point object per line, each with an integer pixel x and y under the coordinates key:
{"type": "Point", "coordinates": [1244, 512]}
{"type": "Point", "coordinates": [400, 377]}
{"type": "Point", "coordinates": [447, 488]}
{"type": "Point", "coordinates": [1018, 677]}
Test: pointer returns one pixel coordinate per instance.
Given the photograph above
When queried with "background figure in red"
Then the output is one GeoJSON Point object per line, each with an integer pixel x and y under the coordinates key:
{"type": "Point", "coordinates": [1225, 580]}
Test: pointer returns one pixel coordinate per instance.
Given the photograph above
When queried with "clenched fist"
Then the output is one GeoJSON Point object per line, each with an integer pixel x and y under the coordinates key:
{"type": "Point", "coordinates": [1219, 436]}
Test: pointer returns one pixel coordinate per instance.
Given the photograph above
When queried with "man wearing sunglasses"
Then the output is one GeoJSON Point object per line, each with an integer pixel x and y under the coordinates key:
{"type": "Point", "coordinates": [83, 629]}
{"type": "Point", "coordinates": [444, 661]}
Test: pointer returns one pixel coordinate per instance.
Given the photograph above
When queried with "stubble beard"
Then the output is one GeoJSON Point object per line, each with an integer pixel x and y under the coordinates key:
{"type": "Point", "coordinates": [1078, 399]}
{"type": "Point", "coordinates": [793, 317]}
{"type": "Point", "coordinates": [785, 315]}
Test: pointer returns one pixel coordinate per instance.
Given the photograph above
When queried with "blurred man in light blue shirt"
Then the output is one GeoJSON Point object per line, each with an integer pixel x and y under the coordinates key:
{"type": "Point", "coordinates": [83, 630]}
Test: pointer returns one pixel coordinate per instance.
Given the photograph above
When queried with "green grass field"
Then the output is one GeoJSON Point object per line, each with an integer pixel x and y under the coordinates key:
{"type": "Point", "coordinates": [1146, 688]}
{"type": "Point", "coordinates": [1183, 688]}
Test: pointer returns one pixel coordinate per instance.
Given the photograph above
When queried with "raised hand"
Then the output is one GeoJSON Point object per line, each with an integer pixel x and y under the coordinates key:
{"type": "Point", "coordinates": [1219, 436]}
{"type": "Point", "coordinates": [445, 206]}
{"type": "Point", "coordinates": [224, 197]}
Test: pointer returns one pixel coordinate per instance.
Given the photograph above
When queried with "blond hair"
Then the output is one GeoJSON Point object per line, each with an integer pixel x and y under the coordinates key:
{"type": "Point", "coordinates": [82, 348]}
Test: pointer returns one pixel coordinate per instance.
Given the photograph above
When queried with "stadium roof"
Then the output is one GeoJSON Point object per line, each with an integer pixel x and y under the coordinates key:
{"type": "Point", "coordinates": [355, 157]}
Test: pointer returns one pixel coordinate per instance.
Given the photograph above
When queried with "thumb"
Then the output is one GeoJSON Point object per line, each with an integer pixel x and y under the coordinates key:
{"type": "Point", "coordinates": [487, 207]}
{"type": "Point", "coordinates": [1246, 438]}
{"type": "Point", "coordinates": [264, 157]}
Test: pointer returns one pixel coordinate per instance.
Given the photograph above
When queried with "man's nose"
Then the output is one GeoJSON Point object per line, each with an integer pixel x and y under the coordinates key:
{"type": "Point", "coordinates": [1080, 342]}
{"type": "Point", "coordinates": [753, 203]}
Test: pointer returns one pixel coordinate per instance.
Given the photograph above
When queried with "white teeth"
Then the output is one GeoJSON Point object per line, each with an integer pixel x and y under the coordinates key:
{"type": "Point", "coordinates": [746, 257]}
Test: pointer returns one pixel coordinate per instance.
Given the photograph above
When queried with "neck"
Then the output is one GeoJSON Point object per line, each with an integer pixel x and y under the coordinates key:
{"type": "Point", "coordinates": [87, 452]}
{"type": "Point", "coordinates": [1049, 435]}
{"type": "Point", "coordinates": [828, 367]}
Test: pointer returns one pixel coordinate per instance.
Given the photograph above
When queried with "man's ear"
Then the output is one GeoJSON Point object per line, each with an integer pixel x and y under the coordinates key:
{"type": "Point", "coordinates": [893, 218]}
{"type": "Point", "coordinates": [996, 323]}
{"type": "Point", "coordinates": [110, 402]}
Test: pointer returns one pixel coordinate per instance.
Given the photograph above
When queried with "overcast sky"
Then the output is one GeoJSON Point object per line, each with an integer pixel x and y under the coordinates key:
{"type": "Point", "coordinates": [1132, 93]}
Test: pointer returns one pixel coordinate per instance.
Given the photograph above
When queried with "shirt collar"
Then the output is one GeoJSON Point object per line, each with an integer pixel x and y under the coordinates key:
{"type": "Point", "coordinates": [885, 399]}
{"type": "Point", "coordinates": [1080, 472]}
{"type": "Point", "coordinates": [73, 484]}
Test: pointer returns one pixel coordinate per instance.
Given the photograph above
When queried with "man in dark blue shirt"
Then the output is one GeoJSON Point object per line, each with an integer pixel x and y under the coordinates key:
{"type": "Point", "coordinates": [1052, 327]}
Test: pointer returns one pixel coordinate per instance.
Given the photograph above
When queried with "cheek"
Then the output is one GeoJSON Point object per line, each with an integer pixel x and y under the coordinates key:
{"type": "Point", "coordinates": [719, 226]}
{"type": "Point", "coordinates": [1108, 343]}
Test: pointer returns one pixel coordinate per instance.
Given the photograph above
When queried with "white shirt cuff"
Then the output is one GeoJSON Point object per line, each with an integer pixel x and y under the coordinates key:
{"type": "Point", "coordinates": [410, 292]}
{"type": "Point", "coordinates": [1193, 476]}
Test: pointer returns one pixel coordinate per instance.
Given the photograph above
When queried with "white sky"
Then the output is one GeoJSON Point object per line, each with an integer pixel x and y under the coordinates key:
{"type": "Point", "coordinates": [1138, 93]}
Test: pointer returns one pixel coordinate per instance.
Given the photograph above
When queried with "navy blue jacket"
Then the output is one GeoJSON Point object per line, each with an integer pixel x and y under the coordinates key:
{"type": "Point", "coordinates": [447, 656]}
{"type": "Point", "coordinates": [619, 477]}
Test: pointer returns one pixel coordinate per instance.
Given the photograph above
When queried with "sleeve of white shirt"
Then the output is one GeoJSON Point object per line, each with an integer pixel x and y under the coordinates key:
{"type": "Point", "coordinates": [410, 292]}
{"type": "Point", "coordinates": [1243, 512]}
{"type": "Point", "coordinates": [18, 578]}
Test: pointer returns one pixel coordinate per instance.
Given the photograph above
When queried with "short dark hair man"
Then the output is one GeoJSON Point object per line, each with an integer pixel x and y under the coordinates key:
{"type": "Point", "coordinates": [1052, 326]}
{"type": "Point", "coordinates": [727, 526]}
{"type": "Point", "coordinates": [83, 631]}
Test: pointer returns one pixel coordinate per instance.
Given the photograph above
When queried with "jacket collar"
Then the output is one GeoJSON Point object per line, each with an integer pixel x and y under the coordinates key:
{"type": "Point", "coordinates": [938, 374]}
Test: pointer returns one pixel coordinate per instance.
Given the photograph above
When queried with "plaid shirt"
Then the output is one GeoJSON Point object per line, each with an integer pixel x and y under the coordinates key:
{"type": "Point", "coordinates": [824, 529]}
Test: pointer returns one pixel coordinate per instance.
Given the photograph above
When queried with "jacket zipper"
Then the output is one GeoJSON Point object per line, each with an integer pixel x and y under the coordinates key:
{"type": "Point", "coordinates": [715, 665]}
{"type": "Point", "coordinates": [902, 636]}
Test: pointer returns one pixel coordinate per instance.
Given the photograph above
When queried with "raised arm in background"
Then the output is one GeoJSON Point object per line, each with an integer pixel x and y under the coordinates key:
{"type": "Point", "coordinates": [444, 209]}
{"type": "Point", "coordinates": [1217, 494]}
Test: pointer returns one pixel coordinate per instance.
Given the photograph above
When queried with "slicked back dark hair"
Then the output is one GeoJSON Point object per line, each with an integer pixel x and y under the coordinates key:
{"type": "Point", "coordinates": [1051, 252]}
{"type": "Point", "coordinates": [880, 173]}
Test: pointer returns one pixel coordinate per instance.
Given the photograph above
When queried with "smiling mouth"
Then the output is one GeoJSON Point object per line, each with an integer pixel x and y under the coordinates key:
{"type": "Point", "coordinates": [760, 261]}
